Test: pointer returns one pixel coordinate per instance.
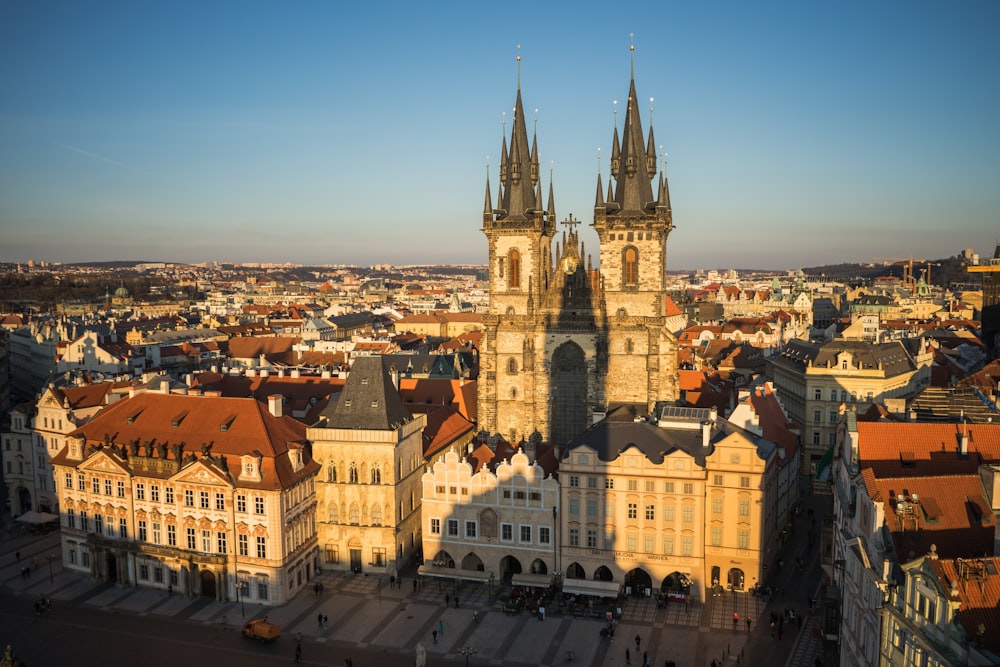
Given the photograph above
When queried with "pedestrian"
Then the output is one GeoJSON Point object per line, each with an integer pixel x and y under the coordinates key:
{"type": "Point", "coordinates": [638, 639]}
{"type": "Point", "coordinates": [441, 627]}
{"type": "Point", "coordinates": [748, 624]}
{"type": "Point", "coordinates": [319, 621]}
{"type": "Point", "coordinates": [434, 635]}
{"type": "Point", "coordinates": [414, 585]}
{"type": "Point", "coordinates": [298, 653]}
{"type": "Point", "coordinates": [447, 599]}
{"type": "Point", "coordinates": [645, 659]}
{"type": "Point", "coordinates": [628, 657]}
{"type": "Point", "coordinates": [736, 620]}
{"type": "Point", "coordinates": [773, 627]}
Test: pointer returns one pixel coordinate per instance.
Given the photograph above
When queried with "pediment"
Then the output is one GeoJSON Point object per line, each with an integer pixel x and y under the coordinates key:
{"type": "Point", "coordinates": [201, 473]}
{"type": "Point", "coordinates": [102, 462]}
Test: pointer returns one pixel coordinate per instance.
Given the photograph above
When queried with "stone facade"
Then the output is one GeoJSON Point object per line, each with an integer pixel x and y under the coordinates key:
{"type": "Point", "coordinates": [564, 341]}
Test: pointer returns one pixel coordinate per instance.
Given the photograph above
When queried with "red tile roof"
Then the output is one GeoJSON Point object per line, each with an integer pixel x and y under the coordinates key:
{"type": "Point", "coordinates": [911, 449]}
{"type": "Point", "coordinates": [977, 586]}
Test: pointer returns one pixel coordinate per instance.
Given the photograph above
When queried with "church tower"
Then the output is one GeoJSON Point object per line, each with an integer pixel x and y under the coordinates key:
{"type": "Point", "coordinates": [563, 341]}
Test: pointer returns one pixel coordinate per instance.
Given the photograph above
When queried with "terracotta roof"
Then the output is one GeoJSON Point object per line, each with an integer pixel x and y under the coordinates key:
{"type": "Point", "coordinates": [947, 511]}
{"type": "Point", "coordinates": [910, 449]}
{"type": "Point", "coordinates": [443, 427]}
{"type": "Point", "coordinates": [251, 347]}
{"type": "Point", "coordinates": [232, 427]}
{"type": "Point", "coordinates": [977, 586]}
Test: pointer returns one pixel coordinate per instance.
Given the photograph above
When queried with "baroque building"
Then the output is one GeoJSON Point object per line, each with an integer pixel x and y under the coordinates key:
{"type": "Point", "coordinates": [564, 341]}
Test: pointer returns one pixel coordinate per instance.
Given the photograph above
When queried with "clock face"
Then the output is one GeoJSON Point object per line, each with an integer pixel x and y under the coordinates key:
{"type": "Point", "coordinates": [569, 265]}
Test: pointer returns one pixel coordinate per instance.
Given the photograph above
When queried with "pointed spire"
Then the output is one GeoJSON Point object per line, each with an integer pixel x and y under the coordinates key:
{"type": "Point", "coordinates": [599, 202]}
{"type": "Point", "coordinates": [488, 205]}
{"type": "Point", "coordinates": [616, 155]}
{"type": "Point", "coordinates": [534, 153]}
{"type": "Point", "coordinates": [651, 145]}
{"type": "Point", "coordinates": [552, 199]}
{"type": "Point", "coordinates": [634, 188]}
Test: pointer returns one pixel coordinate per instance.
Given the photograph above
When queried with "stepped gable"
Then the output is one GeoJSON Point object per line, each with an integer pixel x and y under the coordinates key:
{"type": "Point", "coordinates": [369, 399]}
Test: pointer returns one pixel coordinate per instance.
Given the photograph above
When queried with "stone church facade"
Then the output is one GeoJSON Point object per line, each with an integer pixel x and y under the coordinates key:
{"type": "Point", "coordinates": [565, 341]}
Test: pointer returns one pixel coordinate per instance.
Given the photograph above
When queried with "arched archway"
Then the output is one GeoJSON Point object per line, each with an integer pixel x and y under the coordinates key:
{"type": "Point", "coordinates": [735, 578]}
{"type": "Point", "coordinates": [639, 581]}
{"type": "Point", "coordinates": [568, 407]}
{"type": "Point", "coordinates": [538, 567]}
{"type": "Point", "coordinates": [676, 584]}
{"type": "Point", "coordinates": [443, 559]}
{"type": "Point", "coordinates": [207, 583]}
{"type": "Point", "coordinates": [575, 571]}
{"type": "Point", "coordinates": [472, 562]}
{"type": "Point", "coordinates": [603, 573]}
{"type": "Point", "coordinates": [509, 566]}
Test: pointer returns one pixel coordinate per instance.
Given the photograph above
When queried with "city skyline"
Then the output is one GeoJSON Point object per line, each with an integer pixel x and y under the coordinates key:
{"type": "Point", "coordinates": [797, 135]}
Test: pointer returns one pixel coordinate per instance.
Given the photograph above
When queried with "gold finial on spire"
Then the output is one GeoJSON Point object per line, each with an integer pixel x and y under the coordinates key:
{"type": "Point", "coordinates": [615, 107]}
{"type": "Point", "coordinates": [519, 67]}
{"type": "Point", "coordinates": [631, 54]}
{"type": "Point", "coordinates": [535, 119]}
{"type": "Point", "coordinates": [651, 112]}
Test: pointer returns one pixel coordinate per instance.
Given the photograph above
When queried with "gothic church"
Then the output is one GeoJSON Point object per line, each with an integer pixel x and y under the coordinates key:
{"type": "Point", "coordinates": [564, 341]}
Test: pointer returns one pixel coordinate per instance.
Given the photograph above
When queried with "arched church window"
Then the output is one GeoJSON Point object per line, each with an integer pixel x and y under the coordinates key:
{"type": "Point", "coordinates": [515, 269]}
{"type": "Point", "coordinates": [629, 345]}
{"type": "Point", "coordinates": [630, 267]}
{"type": "Point", "coordinates": [376, 515]}
{"type": "Point", "coordinates": [376, 475]}
{"type": "Point", "coordinates": [334, 514]}
{"type": "Point", "coordinates": [355, 514]}
{"type": "Point", "coordinates": [331, 473]}
{"type": "Point", "coordinates": [353, 473]}
{"type": "Point", "coordinates": [512, 365]}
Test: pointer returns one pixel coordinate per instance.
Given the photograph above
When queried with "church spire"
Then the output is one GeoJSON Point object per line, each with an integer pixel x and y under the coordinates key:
{"type": "Point", "coordinates": [488, 205]}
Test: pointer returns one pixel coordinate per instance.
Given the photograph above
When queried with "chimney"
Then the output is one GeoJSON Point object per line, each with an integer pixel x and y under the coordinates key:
{"type": "Point", "coordinates": [963, 444]}
{"type": "Point", "coordinates": [706, 432]}
{"type": "Point", "coordinates": [264, 372]}
{"type": "Point", "coordinates": [274, 405]}
{"type": "Point", "coordinates": [165, 386]}
{"type": "Point", "coordinates": [295, 373]}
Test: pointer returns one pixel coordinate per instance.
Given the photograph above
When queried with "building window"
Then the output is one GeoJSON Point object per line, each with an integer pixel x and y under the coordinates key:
{"type": "Point", "coordinates": [818, 394]}
{"type": "Point", "coordinates": [544, 535]}
{"type": "Point", "coordinates": [188, 498]}
{"type": "Point", "coordinates": [632, 542]}
{"type": "Point", "coordinates": [668, 545]}
{"type": "Point", "coordinates": [744, 507]}
{"type": "Point", "coordinates": [716, 536]}
{"type": "Point", "coordinates": [591, 482]}
{"type": "Point", "coordinates": [156, 533]}
{"type": "Point", "coordinates": [190, 539]}
{"type": "Point", "coordinates": [514, 261]}
{"type": "Point", "coordinates": [470, 530]}
{"type": "Point", "coordinates": [668, 487]}
{"type": "Point", "coordinates": [743, 539]}
{"type": "Point", "coordinates": [241, 503]}
{"type": "Point", "coordinates": [716, 505]}
{"type": "Point", "coordinates": [84, 522]}
{"type": "Point", "coordinates": [220, 501]}
{"type": "Point", "coordinates": [81, 482]}
{"type": "Point", "coordinates": [591, 507]}
{"type": "Point", "coordinates": [815, 437]}
{"type": "Point", "coordinates": [591, 539]}
{"type": "Point", "coordinates": [574, 537]}
{"type": "Point", "coordinates": [435, 526]}
{"type": "Point", "coordinates": [122, 528]}
{"type": "Point", "coordinates": [633, 510]}
{"type": "Point", "coordinates": [99, 523]}
{"type": "Point", "coordinates": [68, 480]}
{"type": "Point", "coordinates": [574, 506]}
{"type": "Point", "coordinates": [687, 546]}
{"type": "Point", "coordinates": [609, 483]}
{"type": "Point", "coordinates": [171, 535]}
{"type": "Point", "coordinates": [574, 481]}
{"type": "Point", "coordinates": [332, 553]}
{"type": "Point", "coordinates": [221, 541]}
{"type": "Point", "coordinates": [203, 499]}
{"type": "Point", "coordinates": [833, 394]}
{"type": "Point", "coordinates": [154, 493]}
{"type": "Point", "coordinates": [258, 505]}
{"type": "Point", "coordinates": [378, 557]}
{"type": "Point", "coordinates": [630, 267]}
{"type": "Point", "coordinates": [633, 485]}
{"type": "Point", "coordinates": [158, 574]}
{"type": "Point", "coordinates": [144, 571]}
{"type": "Point", "coordinates": [817, 416]}
{"type": "Point", "coordinates": [507, 532]}
{"type": "Point", "coordinates": [512, 366]}
{"type": "Point", "coordinates": [650, 512]}
{"type": "Point", "coordinates": [744, 481]}
{"type": "Point", "coordinates": [262, 586]}
{"type": "Point", "coordinates": [352, 473]}
{"type": "Point", "coordinates": [688, 488]}
{"type": "Point", "coordinates": [718, 480]}
{"type": "Point", "coordinates": [687, 514]}
{"type": "Point", "coordinates": [140, 491]}
{"type": "Point", "coordinates": [96, 485]}
{"type": "Point", "coordinates": [261, 546]}
{"type": "Point", "coordinates": [107, 487]}
{"type": "Point", "coordinates": [376, 475]}
{"type": "Point", "coordinates": [169, 495]}
{"type": "Point", "coordinates": [142, 530]}
{"type": "Point", "coordinates": [526, 534]}
{"type": "Point", "coordinates": [647, 543]}
{"type": "Point", "coordinates": [668, 513]}
{"type": "Point", "coordinates": [452, 527]}
{"type": "Point", "coordinates": [243, 544]}
{"type": "Point", "coordinates": [70, 518]}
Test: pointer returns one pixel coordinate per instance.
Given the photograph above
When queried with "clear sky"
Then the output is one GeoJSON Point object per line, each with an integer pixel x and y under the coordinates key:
{"type": "Point", "coordinates": [798, 133]}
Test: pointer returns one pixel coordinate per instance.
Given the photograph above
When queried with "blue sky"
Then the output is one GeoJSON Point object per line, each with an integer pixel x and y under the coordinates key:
{"type": "Point", "coordinates": [798, 133]}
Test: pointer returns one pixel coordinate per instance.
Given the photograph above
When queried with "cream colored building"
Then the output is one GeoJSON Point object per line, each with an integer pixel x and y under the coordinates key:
{"type": "Point", "coordinates": [496, 526]}
{"type": "Point", "coordinates": [675, 505]}
{"type": "Point", "coordinates": [232, 518]}
{"type": "Point", "coordinates": [368, 493]}
{"type": "Point", "coordinates": [813, 380]}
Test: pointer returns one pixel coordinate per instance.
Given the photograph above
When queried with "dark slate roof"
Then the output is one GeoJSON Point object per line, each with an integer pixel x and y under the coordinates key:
{"type": "Point", "coordinates": [611, 436]}
{"type": "Point", "coordinates": [893, 355]}
{"type": "Point", "coordinates": [369, 399]}
{"type": "Point", "coordinates": [350, 320]}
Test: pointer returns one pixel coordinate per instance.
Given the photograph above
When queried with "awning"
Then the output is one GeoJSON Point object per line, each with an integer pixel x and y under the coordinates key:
{"type": "Point", "coordinates": [604, 589]}
{"type": "Point", "coordinates": [533, 580]}
{"type": "Point", "coordinates": [37, 517]}
{"type": "Point", "coordinates": [453, 573]}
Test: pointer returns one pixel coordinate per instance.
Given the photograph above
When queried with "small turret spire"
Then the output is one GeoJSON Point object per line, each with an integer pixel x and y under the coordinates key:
{"type": "Point", "coordinates": [488, 205]}
{"type": "Point", "coordinates": [552, 197]}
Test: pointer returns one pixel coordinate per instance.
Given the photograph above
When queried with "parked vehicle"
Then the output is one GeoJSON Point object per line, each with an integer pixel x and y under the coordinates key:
{"type": "Point", "coordinates": [261, 630]}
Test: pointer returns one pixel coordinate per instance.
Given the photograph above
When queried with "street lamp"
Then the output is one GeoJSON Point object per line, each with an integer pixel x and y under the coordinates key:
{"type": "Point", "coordinates": [52, 557]}
{"type": "Point", "coordinates": [241, 587]}
{"type": "Point", "coordinates": [467, 651]}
